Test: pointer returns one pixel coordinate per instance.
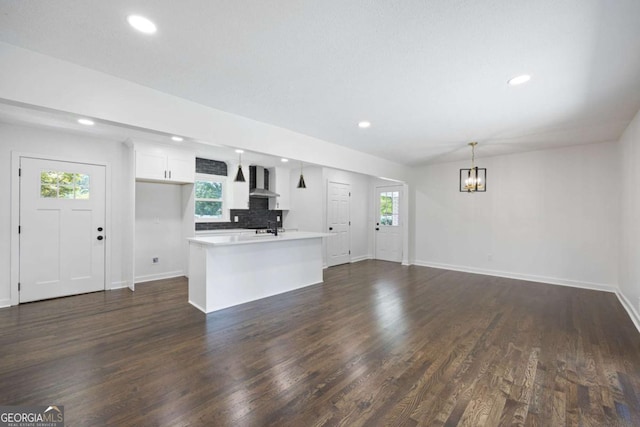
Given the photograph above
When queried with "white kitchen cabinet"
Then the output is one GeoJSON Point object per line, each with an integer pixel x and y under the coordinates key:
{"type": "Point", "coordinates": [280, 182]}
{"type": "Point", "coordinates": [165, 164]}
{"type": "Point", "coordinates": [239, 191]}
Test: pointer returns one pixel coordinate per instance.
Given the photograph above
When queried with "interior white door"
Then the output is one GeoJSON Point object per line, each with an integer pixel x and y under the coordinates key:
{"type": "Point", "coordinates": [338, 223]}
{"type": "Point", "coordinates": [62, 228]}
{"type": "Point", "coordinates": [389, 224]}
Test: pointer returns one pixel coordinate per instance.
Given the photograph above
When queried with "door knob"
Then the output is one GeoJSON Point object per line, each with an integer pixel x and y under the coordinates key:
{"type": "Point", "coordinates": [100, 237]}
{"type": "Point", "coordinates": [330, 228]}
{"type": "Point", "coordinates": [377, 229]}
{"type": "Point", "coordinates": [99, 228]}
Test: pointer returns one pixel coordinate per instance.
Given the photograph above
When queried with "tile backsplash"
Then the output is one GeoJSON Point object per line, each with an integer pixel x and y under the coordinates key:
{"type": "Point", "coordinates": [257, 216]}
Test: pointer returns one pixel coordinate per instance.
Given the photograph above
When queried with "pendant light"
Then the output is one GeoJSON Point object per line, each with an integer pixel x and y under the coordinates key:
{"type": "Point", "coordinates": [239, 175]}
{"type": "Point", "coordinates": [301, 183]}
{"type": "Point", "coordinates": [474, 179]}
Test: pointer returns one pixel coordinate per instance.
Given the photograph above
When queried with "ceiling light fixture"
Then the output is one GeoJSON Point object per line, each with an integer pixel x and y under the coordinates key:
{"type": "Point", "coordinates": [519, 80]}
{"type": "Point", "coordinates": [177, 138]}
{"type": "Point", "coordinates": [364, 124]}
{"type": "Point", "coordinates": [142, 24]}
{"type": "Point", "coordinates": [86, 122]}
{"type": "Point", "coordinates": [239, 175]}
{"type": "Point", "coordinates": [474, 179]}
{"type": "Point", "coordinates": [301, 183]}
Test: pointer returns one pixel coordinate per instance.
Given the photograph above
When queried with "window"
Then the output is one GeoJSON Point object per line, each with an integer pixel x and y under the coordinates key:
{"type": "Point", "coordinates": [210, 194]}
{"type": "Point", "coordinates": [389, 202]}
{"type": "Point", "coordinates": [64, 185]}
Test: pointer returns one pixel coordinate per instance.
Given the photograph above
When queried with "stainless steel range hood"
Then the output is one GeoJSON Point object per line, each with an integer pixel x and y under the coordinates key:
{"type": "Point", "coordinates": [259, 191]}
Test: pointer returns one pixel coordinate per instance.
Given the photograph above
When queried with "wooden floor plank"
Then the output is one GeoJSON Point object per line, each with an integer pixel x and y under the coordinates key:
{"type": "Point", "coordinates": [376, 344]}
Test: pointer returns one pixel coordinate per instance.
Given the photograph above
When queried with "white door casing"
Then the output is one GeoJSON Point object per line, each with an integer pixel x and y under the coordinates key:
{"type": "Point", "coordinates": [61, 249]}
{"type": "Point", "coordinates": [338, 223]}
{"type": "Point", "coordinates": [389, 223]}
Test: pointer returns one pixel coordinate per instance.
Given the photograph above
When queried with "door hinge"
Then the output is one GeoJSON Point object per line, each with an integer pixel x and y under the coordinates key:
{"type": "Point", "coordinates": [349, 193]}
{"type": "Point", "coordinates": [349, 222]}
{"type": "Point", "coordinates": [19, 171]}
{"type": "Point", "coordinates": [19, 229]}
{"type": "Point", "coordinates": [18, 285]}
{"type": "Point", "coordinates": [349, 251]}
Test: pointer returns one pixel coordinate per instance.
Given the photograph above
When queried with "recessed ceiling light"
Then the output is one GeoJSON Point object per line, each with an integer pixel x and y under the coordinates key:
{"type": "Point", "coordinates": [141, 24]}
{"type": "Point", "coordinates": [519, 80]}
{"type": "Point", "coordinates": [177, 138]}
{"type": "Point", "coordinates": [284, 160]}
{"type": "Point", "coordinates": [239, 151]}
{"type": "Point", "coordinates": [364, 125]}
{"type": "Point", "coordinates": [86, 122]}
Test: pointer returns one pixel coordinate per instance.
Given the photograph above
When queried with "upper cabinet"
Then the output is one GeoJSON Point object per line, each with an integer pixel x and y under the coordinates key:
{"type": "Point", "coordinates": [165, 164]}
{"type": "Point", "coordinates": [280, 182]}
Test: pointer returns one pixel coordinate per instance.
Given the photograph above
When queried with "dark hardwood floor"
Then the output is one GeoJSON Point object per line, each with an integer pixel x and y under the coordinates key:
{"type": "Point", "coordinates": [376, 344]}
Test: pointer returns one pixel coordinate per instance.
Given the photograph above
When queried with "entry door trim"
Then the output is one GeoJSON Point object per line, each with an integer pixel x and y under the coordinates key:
{"type": "Point", "coordinates": [15, 216]}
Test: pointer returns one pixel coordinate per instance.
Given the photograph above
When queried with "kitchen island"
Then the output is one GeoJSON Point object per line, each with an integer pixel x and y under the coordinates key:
{"type": "Point", "coordinates": [229, 270]}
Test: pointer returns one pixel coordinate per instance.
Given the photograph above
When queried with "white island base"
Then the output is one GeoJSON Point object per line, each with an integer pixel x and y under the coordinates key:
{"type": "Point", "coordinates": [229, 270]}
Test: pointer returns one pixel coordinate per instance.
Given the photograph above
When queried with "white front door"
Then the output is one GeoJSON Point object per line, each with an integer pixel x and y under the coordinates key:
{"type": "Point", "coordinates": [62, 228]}
{"type": "Point", "coordinates": [389, 224]}
{"type": "Point", "coordinates": [338, 223]}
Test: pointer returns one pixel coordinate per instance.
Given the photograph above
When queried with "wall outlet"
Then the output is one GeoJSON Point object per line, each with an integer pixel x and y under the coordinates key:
{"type": "Point", "coordinates": [235, 219]}
{"type": "Point", "coordinates": [278, 218]}
{"type": "Point", "coordinates": [155, 260]}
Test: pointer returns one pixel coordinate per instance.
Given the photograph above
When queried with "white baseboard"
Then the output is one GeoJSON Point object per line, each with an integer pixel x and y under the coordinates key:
{"type": "Point", "coordinates": [635, 317]}
{"type": "Point", "coordinates": [519, 276]}
{"type": "Point", "coordinates": [360, 258]}
{"type": "Point", "coordinates": [197, 306]}
{"type": "Point", "coordinates": [119, 285]}
{"type": "Point", "coordinates": [159, 276]}
{"type": "Point", "coordinates": [5, 303]}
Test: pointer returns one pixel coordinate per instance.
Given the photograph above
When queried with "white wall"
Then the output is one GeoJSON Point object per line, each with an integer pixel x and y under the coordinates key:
{"type": "Point", "coordinates": [547, 216]}
{"type": "Point", "coordinates": [306, 203]}
{"type": "Point", "coordinates": [159, 231]}
{"type": "Point", "coordinates": [73, 147]}
{"type": "Point", "coordinates": [629, 264]}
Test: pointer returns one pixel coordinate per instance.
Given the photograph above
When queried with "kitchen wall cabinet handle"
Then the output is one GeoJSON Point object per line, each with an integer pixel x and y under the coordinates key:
{"type": "Point", "coordinates": [330, 228]}
{"type": "Point", "coordinates": [377, 229]}
{"type": "Point", "coordinates": [165, 174]}
{"type": "Point", "coordinates": [100, 237]}
{"type": "Point", "coordinates": [169, 174]}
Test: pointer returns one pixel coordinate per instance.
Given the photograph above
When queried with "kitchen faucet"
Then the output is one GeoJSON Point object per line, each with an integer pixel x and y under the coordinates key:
{"type": "Point", "coordinates": [273, 230]}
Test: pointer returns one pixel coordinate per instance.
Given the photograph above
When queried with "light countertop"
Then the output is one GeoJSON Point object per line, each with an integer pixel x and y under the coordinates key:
{"type": "Point", "coordinates": [244, 239]}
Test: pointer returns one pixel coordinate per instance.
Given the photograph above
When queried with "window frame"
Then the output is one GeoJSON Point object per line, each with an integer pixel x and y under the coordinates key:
{"type": "Point", "coordinates": [203, 177]}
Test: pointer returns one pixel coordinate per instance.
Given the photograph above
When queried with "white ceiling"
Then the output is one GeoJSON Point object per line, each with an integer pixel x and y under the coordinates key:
{"type": "Point", "coordinates": [430, 75]}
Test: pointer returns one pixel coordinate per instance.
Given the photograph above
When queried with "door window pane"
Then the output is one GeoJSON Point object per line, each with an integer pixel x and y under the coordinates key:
{"type": "Point", "coordinates": [64, 185]}
{"type": "Point", "coordinates": [389, 208]}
